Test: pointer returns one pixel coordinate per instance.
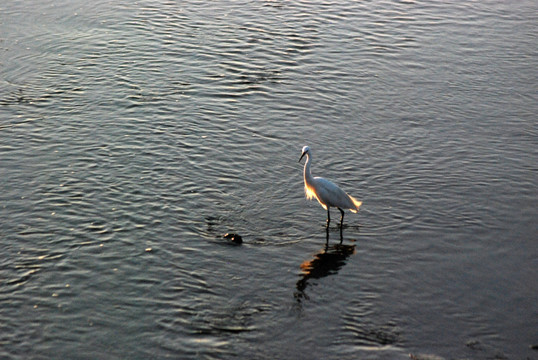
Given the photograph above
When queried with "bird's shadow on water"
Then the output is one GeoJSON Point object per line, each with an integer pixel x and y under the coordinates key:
{"type": "Point", "coordinates": [328, 261]}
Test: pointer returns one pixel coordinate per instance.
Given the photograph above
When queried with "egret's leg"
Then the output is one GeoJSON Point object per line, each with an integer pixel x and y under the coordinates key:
{"type": "Point", "coordinates": [342, 218]}
{"type": "Point", "coordinates": [328, 216]}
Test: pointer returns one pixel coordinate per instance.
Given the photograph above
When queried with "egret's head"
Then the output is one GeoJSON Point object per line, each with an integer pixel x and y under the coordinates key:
{"type": "Point", "coordinates": [306, 150]}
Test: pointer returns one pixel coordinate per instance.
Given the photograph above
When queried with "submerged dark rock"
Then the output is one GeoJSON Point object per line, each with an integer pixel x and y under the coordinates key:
{"type": "Point", "coordinates": [235, 238]}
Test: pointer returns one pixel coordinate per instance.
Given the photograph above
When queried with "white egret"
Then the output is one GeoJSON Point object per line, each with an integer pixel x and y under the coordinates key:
{"type": "Point", "coordinates": [327, 193]}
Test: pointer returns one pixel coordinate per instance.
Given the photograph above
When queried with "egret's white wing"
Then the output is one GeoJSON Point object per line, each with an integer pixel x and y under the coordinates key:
{"type": "Point", "coordinates": [331, 195]}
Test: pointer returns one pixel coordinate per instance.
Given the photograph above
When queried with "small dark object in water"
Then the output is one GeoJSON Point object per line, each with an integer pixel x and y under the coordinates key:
{"type": "Point", "coordinates": [236, 238]}
{"type": "Point", "coordinates": [534, 347]}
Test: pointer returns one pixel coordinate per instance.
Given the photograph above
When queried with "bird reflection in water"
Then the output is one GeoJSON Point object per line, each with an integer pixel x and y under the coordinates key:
{"type": "Point", "coordinates": [326, 262]}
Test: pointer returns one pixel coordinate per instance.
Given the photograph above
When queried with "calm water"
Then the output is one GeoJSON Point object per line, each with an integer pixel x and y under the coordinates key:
{"type": "Point", "coordinates": [135, 134]}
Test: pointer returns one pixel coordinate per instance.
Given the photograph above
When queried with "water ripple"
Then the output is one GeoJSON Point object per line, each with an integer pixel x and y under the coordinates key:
{"type": "Point", "coordinates": [135, 134]}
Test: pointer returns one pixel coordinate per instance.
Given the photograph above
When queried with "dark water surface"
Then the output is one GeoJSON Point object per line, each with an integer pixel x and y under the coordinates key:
{"type": "Point", "coordinates": [134, 134]}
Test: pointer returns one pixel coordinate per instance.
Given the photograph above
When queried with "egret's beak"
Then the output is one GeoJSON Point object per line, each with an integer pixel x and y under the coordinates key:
{"type": "Point", "coordinates": [302, 157]}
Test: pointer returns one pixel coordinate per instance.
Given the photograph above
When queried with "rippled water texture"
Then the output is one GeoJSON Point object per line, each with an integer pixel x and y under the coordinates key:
{"type": "Point", "coordinates": [135, 134]}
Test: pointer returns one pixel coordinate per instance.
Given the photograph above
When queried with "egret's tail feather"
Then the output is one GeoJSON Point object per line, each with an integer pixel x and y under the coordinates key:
{"type": "Point", "coordinates": [357, 204]}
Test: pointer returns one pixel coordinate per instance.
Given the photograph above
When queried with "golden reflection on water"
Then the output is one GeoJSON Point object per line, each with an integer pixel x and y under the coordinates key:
{"type": "Point", "coordinates": [328, 261]}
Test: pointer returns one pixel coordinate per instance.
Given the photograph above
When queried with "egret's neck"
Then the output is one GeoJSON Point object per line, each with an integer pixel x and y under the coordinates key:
{"type": "Point", "coordinates": [307, 173]}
